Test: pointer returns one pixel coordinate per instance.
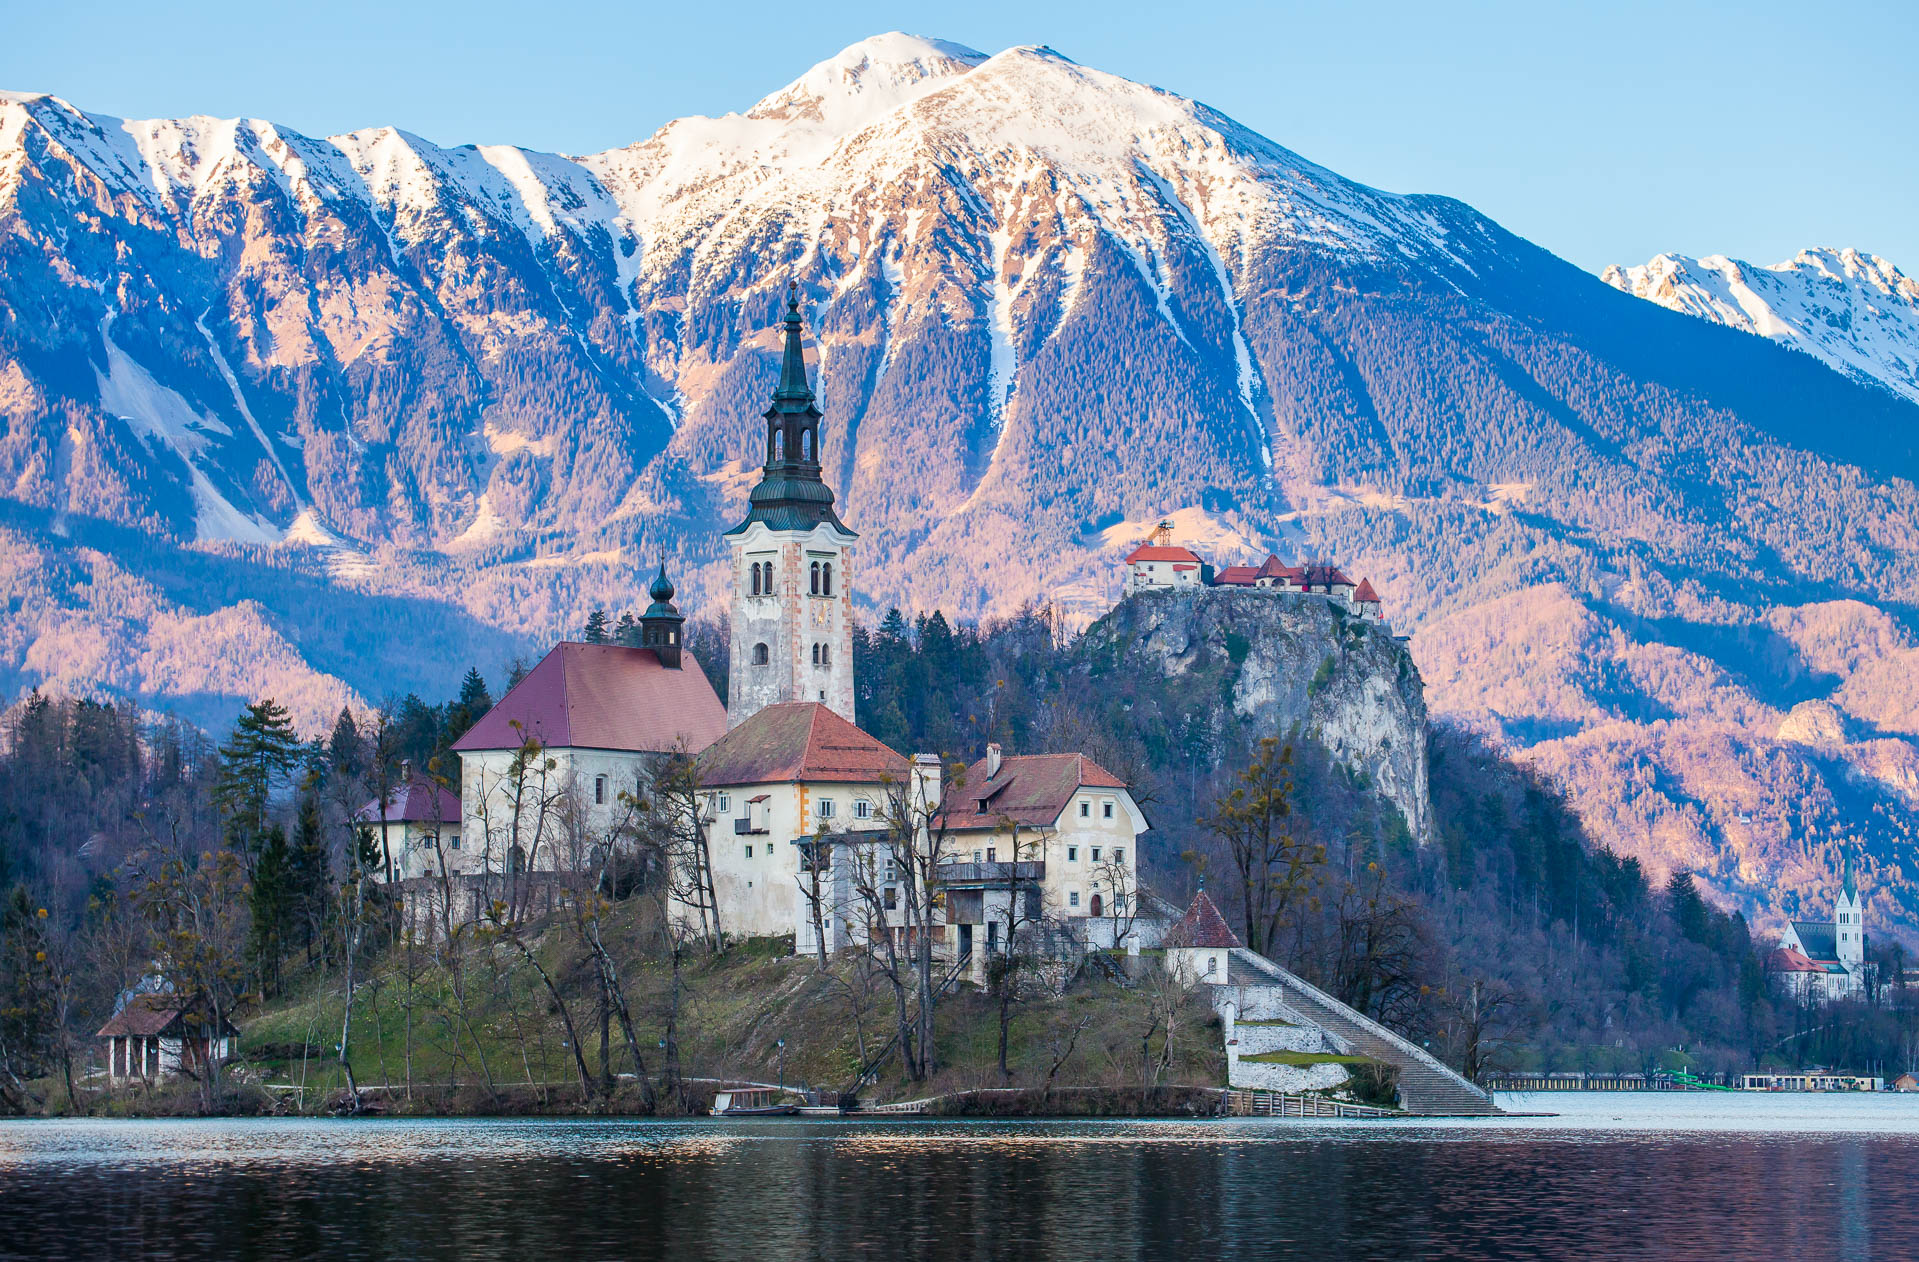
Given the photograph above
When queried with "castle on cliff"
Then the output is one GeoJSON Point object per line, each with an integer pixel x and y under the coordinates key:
{"type": "Point", "coordinates": [1159, 564]}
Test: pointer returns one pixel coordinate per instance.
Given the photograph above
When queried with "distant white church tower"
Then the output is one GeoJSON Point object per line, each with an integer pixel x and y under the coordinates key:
{"type": "Point", "coordinates": [792, 564]}
{"type": "Point", "coordinates": [1849, 925]}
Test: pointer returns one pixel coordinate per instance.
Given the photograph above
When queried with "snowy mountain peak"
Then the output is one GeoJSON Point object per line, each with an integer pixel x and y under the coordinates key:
{"type": "Point", "coordinates": [1856, 311]}
{"type": "Point", "coordinates": [867, 80]}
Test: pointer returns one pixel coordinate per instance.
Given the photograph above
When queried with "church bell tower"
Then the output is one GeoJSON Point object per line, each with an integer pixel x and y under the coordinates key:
{"type": "Point", "coordinates": [792, 563]}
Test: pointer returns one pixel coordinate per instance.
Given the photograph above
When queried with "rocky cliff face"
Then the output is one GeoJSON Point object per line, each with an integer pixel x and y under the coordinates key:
{"type": "Point", "coordinates": [1265, 663]}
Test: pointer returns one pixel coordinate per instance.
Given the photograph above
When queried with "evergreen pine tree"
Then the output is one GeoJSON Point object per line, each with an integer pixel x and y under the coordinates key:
{"type": "Point", "coordinates": [596, 627]}
{"type": "Point", "coordinates": [473, 694]}
{"type": "Point", "coordinates": [627, 632]}
{"type": "Point", "coordinates": [273, 905]}
{"type": "Point", "coordinates": [263, 751]}
{"type": "Point", "coordinates": [311, 881]}
{"type": "Point", "coordinates": [344, 756]}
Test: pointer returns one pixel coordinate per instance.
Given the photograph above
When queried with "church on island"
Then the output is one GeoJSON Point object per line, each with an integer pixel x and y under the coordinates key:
{"type": "Point", "coordinates": [807, 825]}
{"type": "Point", "coordinates": [1817, 961]}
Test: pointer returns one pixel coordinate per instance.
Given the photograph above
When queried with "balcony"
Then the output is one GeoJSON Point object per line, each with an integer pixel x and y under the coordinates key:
{"type": "Point", "coordinates": [744, 828]}
{"type": "Point", "coordinates": [990, 875]}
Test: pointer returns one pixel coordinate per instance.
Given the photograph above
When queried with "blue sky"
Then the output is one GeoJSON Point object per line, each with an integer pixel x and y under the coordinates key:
{"type": "Point", "coordinates": [1605, 133]}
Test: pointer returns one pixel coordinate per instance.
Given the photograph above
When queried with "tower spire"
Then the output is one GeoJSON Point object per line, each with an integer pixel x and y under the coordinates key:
{"type": "Point", "coordinates": [661, 624]}
{"type": "Point", "coordinates": [1847, 886]}
{"type": "Point", "coordinates": [791, 494]}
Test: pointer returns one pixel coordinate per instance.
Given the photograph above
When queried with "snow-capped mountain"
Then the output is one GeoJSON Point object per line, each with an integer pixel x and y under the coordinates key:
{"type": "Point", "coordinates": [330, 418]}
{"type": "Point", "coordinates": [1857, 312]}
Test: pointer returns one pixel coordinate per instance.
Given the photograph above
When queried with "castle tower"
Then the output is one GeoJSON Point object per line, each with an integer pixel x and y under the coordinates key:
{"type": "Point", "coordinates": [661, 624]}
{"type": "Point", "coordinates": [792, 564]}
{"type": "Point", "coordinates": [1848, 921]}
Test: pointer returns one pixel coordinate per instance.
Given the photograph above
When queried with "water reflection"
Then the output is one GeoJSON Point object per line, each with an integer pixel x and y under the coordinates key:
{"type": "Point", "coordinates": [1741, 1182]}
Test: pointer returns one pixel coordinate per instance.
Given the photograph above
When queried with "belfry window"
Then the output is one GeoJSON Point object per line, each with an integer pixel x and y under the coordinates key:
{"type": "Point", "coordinates": [826, 578]}
{"type": "Point", "coordinates": [806, 444]}
{"type": "Point", "coordinates": [779, 445]}
{"type": "Point", "coordinates": [754, 582]}
{"type": "Point", "coordinates": [759, 654]}
{"type": "Point", "coordinates": [816, 578]}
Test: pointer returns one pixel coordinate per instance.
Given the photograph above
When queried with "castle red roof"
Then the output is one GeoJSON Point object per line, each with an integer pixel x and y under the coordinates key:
{"type": "Point", "coordinates": [1236, 576]}
{"type": "Point", "coordinates": [604, 696]}
{"type": "Point", "coordinates": [797, 740]}
{"type": "Point", "coordinates": [1366, 594]}
{"type": "Point", "coordinates": [1030, 789]}
{"type": "Point", "coordinates": [1155, 552]}
{"type": "Point", "coordinates": [418, 801]}
{"type": "Point", "coordinates": [1202, 926]}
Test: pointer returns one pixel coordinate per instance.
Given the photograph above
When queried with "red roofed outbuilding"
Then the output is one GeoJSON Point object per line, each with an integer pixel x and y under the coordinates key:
{"type": "Point", "coordinates": [419, 821]}
{"type": "Point", "coordinates": [1200, 944]}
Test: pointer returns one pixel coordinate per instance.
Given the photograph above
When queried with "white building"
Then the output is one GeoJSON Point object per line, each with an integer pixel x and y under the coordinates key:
{"type": "Point", "coordinates": [417, 825]}
{"type": "Point", "coordinates": [792, 773]}
{"type": "Point", "coordinates": [1058, 830]}
{"type": "Point", "coordinates": [1200, 944]}
{"type": "Point", "coordinates": [792, 564]}
{"type": "Point", "coordinates": [1159, 563]}
{"type": "Point", "coordinates": [548, 775]}
{"type": "Point", "coordinates": [156, 1036]}
{"type": "Point", "coordinates": [1824, 961]}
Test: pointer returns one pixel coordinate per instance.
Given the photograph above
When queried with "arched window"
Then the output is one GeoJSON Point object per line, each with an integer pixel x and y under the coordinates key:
{"type": "Point", "coordinates": [772, 445]}
{"type": "Point", "coordinates": [766, 577]}
{"type": "Point", "coordinates": [826, 578]}
{"type": "Point", "coordinates": [816, 578]}
{"type": "Point", "coordinates": [759, 655]}
{"type": "Point", "coordinates": [826, 654]}
{"type": "Point", "coordinates": [816, 655]}
{"type": "Point", "coordinates": [779, 444]}
{"type": "Point", "coordinates": [1097, 907]}
{"type": "Point", "coordinates": [754, 582]}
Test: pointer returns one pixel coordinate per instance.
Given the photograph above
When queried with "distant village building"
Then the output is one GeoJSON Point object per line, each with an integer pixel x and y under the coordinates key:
{"type": "Point", "coordinates": [1818, 961]}
{"type": "Point", "coordinates": [155, 1036]}
{"type": "Point", "coordinates": [417, 824]}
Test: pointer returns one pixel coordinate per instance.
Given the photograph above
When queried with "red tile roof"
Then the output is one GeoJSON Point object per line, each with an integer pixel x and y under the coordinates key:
{"type": "Point", "coordinates": [1030, 789]}
{"type": "Point", "coordinates": [1787, 960]}
{"type": "Point", "coordinates": [798, 740]}
{"type": "Point", "coordinates": [1236, 576]}
{"type": "Point", "coordinates": [1366, 594]}
{"type": "Point", "coordinates": [1273, 567]}
{"type": "Point", "coordinates": [1202, 926]}
{"type": "Point", "coordinates": [419, 801]}
{"type": "Point", "coordinates": [1154, 552]}
{"type": "Point", "coordinates": [604, 696]}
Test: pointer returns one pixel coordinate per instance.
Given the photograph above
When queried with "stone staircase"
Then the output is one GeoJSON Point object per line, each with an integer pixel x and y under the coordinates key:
{"type": "Point", "coordinates": [1426, 1086]}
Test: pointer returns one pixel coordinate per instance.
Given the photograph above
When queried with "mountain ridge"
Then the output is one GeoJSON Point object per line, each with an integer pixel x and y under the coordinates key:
{"type": "Point", "coordinates": [1046, 307]}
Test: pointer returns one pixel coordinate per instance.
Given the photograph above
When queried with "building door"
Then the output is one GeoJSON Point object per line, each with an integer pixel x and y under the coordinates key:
{"type": "Point", "coordinates": [992, 936]}
{"type": "Point", "coordinates": [1094, 909]}
{"type": "Point", "coordinates": [966, 942]}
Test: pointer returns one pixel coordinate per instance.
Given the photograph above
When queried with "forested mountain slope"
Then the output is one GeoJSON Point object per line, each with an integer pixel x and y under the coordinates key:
{"type": "Point", "coordinates": [1051, 306]}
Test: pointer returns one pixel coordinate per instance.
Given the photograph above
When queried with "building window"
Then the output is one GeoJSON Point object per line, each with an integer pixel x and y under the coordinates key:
{"type": "Point", "coordinates": [816, 578]}
{"type": "Point", "coordinates": [1085, 810]}
{"type": "Point", "coordinates": [826, 578]}
{"type": "Point", "coordinates": [1108, 808]}
{"type": "Point", "coordinates": [816, 655]}
{"type": "Point", "coordinates": [862, 809]}
{"type": "Point", "coordinates": [1095, 854]}
{"type": "Point", "coordinates": [599, 790]}
{"type": "Point", "coordinates": [759, 654]}
{"type": "Point", "coordinates": [1072, 899]}
{"type": "Point", "coordinates": [826, 808]}
{"type": "Point", "coordinates": [806, 444]}
{"type": "Point", "coordinates": [724, 802]}
{"type": "Point", "coordinates": [892, 899]}
{"type": "Point", "coordinates": [1212, 965]}
{"type": "Point", "coordinates": [976, 856]}
{"type": "Point", "coordinates": [753, 582]}
{"type": "Point", "coordinates": [1119, 856]}
{"type": "Point", "coordinates": [992, 854]}
{"type": "Point", "coordinates": [749, 852]}
{"type": "Point", "coordinates": [1072, 854]}
{"type": "Point", "coordinates": [892, 870]}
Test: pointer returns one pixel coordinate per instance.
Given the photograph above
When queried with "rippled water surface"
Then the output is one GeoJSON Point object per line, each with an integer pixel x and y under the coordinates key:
{"type": "Point", "coordinates": [1653, 1176]}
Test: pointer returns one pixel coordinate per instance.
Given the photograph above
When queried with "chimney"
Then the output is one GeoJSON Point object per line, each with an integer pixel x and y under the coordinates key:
{"type": "Point", "coordinates": [992, 759]}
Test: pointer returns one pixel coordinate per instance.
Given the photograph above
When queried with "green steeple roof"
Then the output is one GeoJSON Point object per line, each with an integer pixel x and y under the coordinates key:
{"type": "Point", "coordinates": [791, 494]}
{"type": "Point", "coordinates": [1846, 883]}
{"type": "Point", "coordinates": [660, 624]}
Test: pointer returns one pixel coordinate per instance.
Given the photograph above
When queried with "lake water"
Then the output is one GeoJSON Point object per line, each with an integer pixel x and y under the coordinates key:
{"type": "Point", "coordinates": [1615, 1175]}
